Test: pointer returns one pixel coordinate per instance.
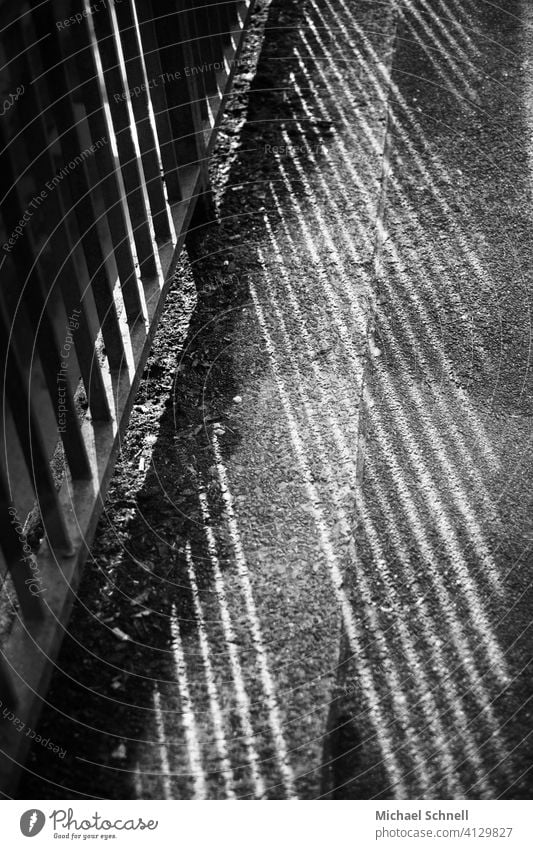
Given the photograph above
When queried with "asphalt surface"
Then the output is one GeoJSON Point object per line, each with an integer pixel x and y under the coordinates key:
{"type": "Point", "coordinates": [322, 578]}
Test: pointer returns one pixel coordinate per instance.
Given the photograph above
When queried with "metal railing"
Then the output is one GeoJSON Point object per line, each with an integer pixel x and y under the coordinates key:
{"type": "Point", "coordinates": [109, 112]}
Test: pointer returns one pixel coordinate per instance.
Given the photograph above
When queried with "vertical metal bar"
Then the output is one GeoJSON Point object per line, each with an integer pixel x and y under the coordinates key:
{"type": "Point", "coordinates": [224, 8]}
{"type": "Point", "coordinates": [219, 30]}
{"type": "Point", "coordinates": [183, 111]}
{"type": "Point", "coordinates": [48, 231]}
{"type": "Point", "coordinates": [201, 24]}
{"type": "Point", "coordinates": [34, 298]}
{"type": "Point", "coordinates": [202, 131]}
{"type": "Point", "coordinates": [194, 44]}
{"type": "Point", "coordinates": [7, 690]}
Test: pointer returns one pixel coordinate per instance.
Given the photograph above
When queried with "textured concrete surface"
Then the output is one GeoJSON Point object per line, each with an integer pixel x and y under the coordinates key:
{"type": "Point", "coordinates": [324, 574]}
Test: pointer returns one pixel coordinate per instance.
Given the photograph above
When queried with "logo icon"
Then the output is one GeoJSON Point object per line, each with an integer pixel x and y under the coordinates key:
{"type": "Point", "coordinates": [32, 822]}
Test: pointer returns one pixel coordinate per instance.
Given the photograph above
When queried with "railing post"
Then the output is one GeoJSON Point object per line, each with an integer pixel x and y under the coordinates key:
{"type": "Point", "coordinates": [88, 241]}
{"type": "Point", "coordinates": [7, 690]}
